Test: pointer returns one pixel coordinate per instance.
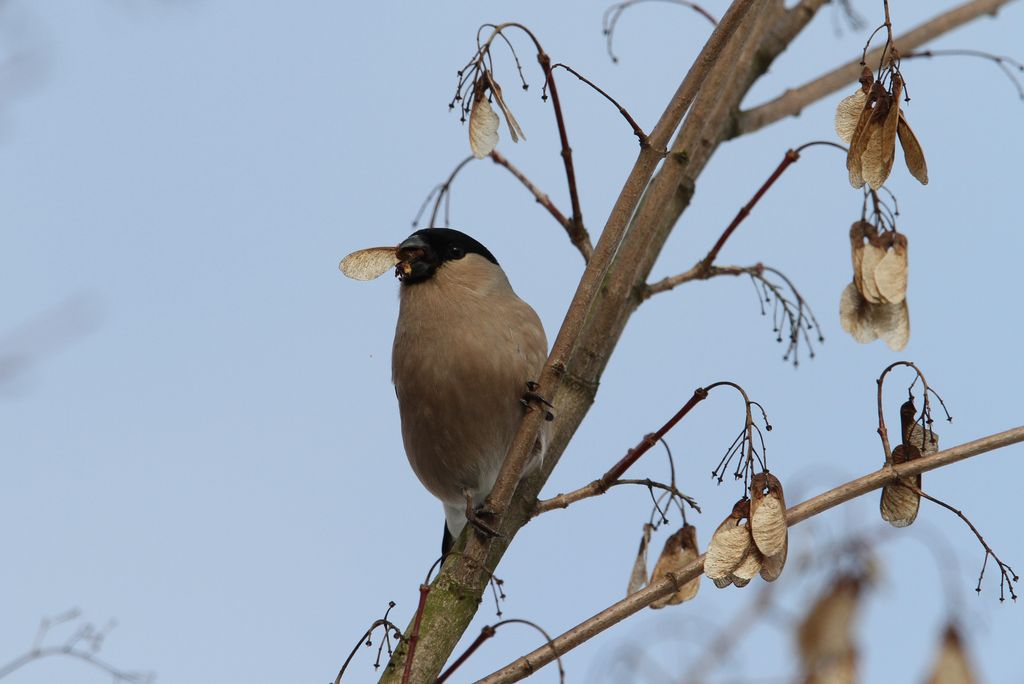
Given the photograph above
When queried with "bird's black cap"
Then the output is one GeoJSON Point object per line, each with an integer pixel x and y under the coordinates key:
{"type": "Point", "coordinates": [434, 246]}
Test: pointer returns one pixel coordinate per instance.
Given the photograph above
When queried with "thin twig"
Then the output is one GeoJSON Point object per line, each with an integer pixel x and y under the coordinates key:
{"type": "Point", "coordinates": [596, 488]}
{"type": "Point", "coordinates": [637, 131]}
{"type": "Point", "coordinates": [1003, 62]}
{"type": "Point", "coordinates": [1007, 576]}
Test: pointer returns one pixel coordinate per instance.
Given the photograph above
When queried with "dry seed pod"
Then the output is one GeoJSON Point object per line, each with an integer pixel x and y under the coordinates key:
{"type": "Point", "coordinates": [872, 257]}
{"type": "Point", "coordinates": [771, 566]}
{"type": "Point", "coordinates": [483, 126]}
{"type": "Point", "coordinates": [925, 439]}
{"type": "Point", "coordinates": [912, 152]}
{"type": "Point", "coordinates": [748, 567]}
{"type": "Point", "coordinates": [768, 514]}
{"type": "Point", "coordinates": [867, 322]}
{"type": "Point", "coordinates": [638, 577]}
{"type": "Point", "coordinates": [728, 546]}
{"type": "Point", "coordinates": [367, 264]}
{"type": "Point", "coordinates": [859, 232]}
{"type": "Point", "coordinates": [890, 274]}
{"type": "Point", "coordinates": [848, 114]}
{"type": "Point", "coordinates": [869, 126]}
{"type": "Point", "coordinates": [899, 503]}
{"type": "Point", "coordinates": [680, 550]}
{"type": "Point", "coordinates": [880, 152]}
{"type": "Point", "coordinates": [951, 665]}
{"type": "Point", "coordinates": [514, 129]}
{"type": "Point", "coordinates": [826, 633]}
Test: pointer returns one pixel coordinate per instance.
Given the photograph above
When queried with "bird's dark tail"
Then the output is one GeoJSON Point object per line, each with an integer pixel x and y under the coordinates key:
{"type": "Point", "coordinates": [447, 541]}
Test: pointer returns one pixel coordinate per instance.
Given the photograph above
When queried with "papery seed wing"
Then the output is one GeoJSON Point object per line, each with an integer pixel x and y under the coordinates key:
{"type": "Point", "coordinates": [483, 127]}
{"type": "Point", "coordinates": [826, 633]}
{"type": "Point", "coordinates": [771, 566]}
{"type": "Point", "coordinates": [912, 152]}
{"type": "Point", "coordinates": [899, 503]}
{"type": "Point", "coordinates": [726, 551]}
{"type": "Point", "coordinates": [767, 514]}
{"type": "Point", "coordinates": [892, 323]}
{"type": "Point", "coordinates": [367, 264]}
{"type": "Point", "coordinates": [848, 114]}
{"type": "Point", "coordinates": [748, 567]}
{"type": "Point", "coordinates": [951, 665]}
{"type": "Point", "coordinates": [890, 274]}
{"type": "Point", "coordinates": [853, 315]}
{"type": "Point", "coordinates": [638, 576]}
{"type": "Point", "coordinates": [680, 550]}
{"type": "Point", "coordinates": [925, 439]}
{"type": "Point", "coordinates": [514, 129]}
{"type": "Point", "coordinates": [873, 255]}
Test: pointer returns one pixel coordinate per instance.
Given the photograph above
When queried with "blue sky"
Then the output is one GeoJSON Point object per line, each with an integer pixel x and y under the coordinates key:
{"type": "Point", "coordinates": [201, 440]}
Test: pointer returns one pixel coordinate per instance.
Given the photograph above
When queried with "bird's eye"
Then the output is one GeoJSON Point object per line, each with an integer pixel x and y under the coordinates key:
{"type": "Point", "coordinates": [456, 253]}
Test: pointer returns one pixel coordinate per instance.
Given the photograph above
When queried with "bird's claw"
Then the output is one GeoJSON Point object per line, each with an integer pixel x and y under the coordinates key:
{"type": "Point", "coordinates": [475, 516]}
{"type": "Point", "coordinates": [530, 398]}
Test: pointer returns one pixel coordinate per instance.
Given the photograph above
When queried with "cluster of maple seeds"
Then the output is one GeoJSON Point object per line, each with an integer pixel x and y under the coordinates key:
{"type": "Point", "coordinates": [874, 305]}
{"type": "Point", "coordinates": [483, 120]}
{"type": "Point", "coordinates": [869, 121]}
{"type": "Point", "coordinates": [753, 539]}
{"type": "Point", "coordinates": [900, 502]}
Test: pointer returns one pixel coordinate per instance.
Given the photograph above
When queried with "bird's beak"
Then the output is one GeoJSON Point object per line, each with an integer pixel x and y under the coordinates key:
{"type": "Point", "coordinates": [409, 254]}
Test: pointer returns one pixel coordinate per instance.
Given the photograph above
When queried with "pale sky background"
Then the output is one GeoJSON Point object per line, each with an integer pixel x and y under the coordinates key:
{"type": "Point", "coordinates": [198, 432]}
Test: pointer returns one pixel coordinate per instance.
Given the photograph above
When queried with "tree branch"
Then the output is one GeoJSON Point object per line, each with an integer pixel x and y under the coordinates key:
{"type": "Point", "coordinates": [526, 665]}
{"type": "Point", "coordinates": [793, 101]}
{"type": "Point", "coordinates": [452, 603]}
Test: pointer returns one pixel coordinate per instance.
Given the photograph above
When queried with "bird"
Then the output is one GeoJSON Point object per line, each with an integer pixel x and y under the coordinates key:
{"type": "Point", "coordinates": [466, 357]}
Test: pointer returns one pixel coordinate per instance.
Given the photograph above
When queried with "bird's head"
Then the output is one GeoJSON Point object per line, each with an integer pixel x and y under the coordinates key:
{"type": "Point", "coordinates": [425, 251]}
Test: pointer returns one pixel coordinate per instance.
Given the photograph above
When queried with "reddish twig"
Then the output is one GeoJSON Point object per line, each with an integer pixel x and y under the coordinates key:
{"type": "Point", "coordinates": [388, 626]}
{"type": "Point", "coordinates": [489, 631]}
{"type": "Point", "coordinates": [926, 410]}
{"type": "Point", "coordinates": [414, 637]}
{"type": "Point", "coordinates": [637, 131]}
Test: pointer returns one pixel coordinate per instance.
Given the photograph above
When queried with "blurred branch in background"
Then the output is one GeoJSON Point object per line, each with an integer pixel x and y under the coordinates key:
{"type": "Point", "coordinates": [83, 644]}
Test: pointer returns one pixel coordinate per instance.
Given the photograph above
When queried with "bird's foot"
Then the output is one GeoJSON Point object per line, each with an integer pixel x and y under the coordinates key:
{"type": "Point", "coordinates": [531, 398]}
{"type": "Point", "coordinates": [475, 516]}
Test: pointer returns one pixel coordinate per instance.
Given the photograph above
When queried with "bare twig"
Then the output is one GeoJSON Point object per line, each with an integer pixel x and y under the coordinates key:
{"type": "Point", "coordinates": [612, 615]}
{"type": "Point", "coordinates": [611, 16]}
{"type": "Point", "coordinates": [637, 131]}
{"type": "Point", "coordinates": [1007, 576]}
{"type": "Point", "coordinates": [83, 645]}
{"type": "Point", "coordinates": [1003, 62]}
{"type": "Point", "coordinates": [793, 101]}
{"type": "Point", "coordinates": [596, 488]}
{"type": "Point", "coordinates": [389, 628]}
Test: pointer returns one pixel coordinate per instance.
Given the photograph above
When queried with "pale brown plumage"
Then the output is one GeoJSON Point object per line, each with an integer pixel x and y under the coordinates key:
{"type": "Point", "coordinates": [465, 348]}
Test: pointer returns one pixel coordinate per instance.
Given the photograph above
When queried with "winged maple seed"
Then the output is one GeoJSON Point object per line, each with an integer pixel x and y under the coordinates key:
{"type": "Point", "coordinates": [869, 121]}
{"type": "Point", "coordinates": [367, 264]}
{"type": "Point", "coordinates": [899, 503]}
{"type": "Point", "coordinates": [951, 664]}
{"type": "Point", "coordinates": [768, 524]}
{"type": "Point", "coordinates": [825, 637]}
{"type": "Point", "coordinates": [874, 305]}
{"type": "Point", "coordinates": [484, 122]}
{"type": "Point", "coordinates": [732, 557]}
{"type": "Point", "coordinates": [680, 550]}
{"type": "Point", "coordinates": [638, 576]}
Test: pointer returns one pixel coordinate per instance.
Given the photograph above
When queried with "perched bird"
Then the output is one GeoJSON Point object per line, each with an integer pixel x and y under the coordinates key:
{"type": "Point", "coordinates": [466, 354]}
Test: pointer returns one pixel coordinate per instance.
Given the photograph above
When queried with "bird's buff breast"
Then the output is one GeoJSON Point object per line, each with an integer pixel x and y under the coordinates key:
{"type": "Point", "coordinates": [460, 366]}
